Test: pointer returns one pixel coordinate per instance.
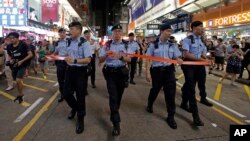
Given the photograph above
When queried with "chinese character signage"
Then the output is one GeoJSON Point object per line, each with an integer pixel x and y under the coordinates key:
{"type": "Point", "coordinates": [13, 12]}
{"type": "Point", "coordinates": [50, 10]}
{"type": "Point", "coordinates": [153, 26]}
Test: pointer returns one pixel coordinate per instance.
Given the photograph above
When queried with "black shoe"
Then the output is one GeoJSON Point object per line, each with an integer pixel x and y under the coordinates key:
{"type": "Point", "coordinates": [185, 107]}
{"type": "Point", "coordinates": [79, 126]}
{"type": "Point", "coordinates": [19, 98]}
{"type": "Point", "coordinates": [86, 93]}
{"type": "Point", "coordinates": [94, 86]}
{"type": "Point", "coordinates": [217, 68]}
{"type": "Point", "coordinates": [60, 99]}
{"type": "Point", "coordinates": [132, 82]}
{"type": "Point", "coordinates": [197, 121]}
{"type": "Point", "coordinates": [72, 114]}
{"type": "Point", "coordinates": [149, 109]}
{"type": "Point", "coordinates": [116, 130]}
{"type": "Point", "coordinates": [171, 122]}
{"type": "Point", "coordinates": [206, 102]}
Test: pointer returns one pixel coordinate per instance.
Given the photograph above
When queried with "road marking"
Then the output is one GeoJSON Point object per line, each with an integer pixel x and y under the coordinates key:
{"type": "Point", "coordinates": [52, 74]}
{"type": "Point", "coordinates": [26, 112]}
{"type": "Point", "coordinates": [180, 76]}
{"type": "Point", "coordinates": [34, 87]}
{"type": "Point", "coordinates": [41, 79]}
{"type": "Point", "coordinates": [214, 125]}
{"type": "Point", "coordinates": [228, 116]}
{"type": "Point", "coordinates": [218, 92]}
{"type": "Point", "coordinates": [25, 104]}
{"type": "Point", "coordinates": [27, 127]}
{"type": "Point", "coordinates": [221, 105]}
{"type": "Point", "coordinates": [247, 121]}
{"type": "Point", "coordinates": [247, 89]}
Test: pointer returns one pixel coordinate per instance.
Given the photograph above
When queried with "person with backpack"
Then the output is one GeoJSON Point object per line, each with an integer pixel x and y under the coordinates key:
{"type": "Point", "coordinates": [115, 73]}
{"type": "Point", "coordinates": [78, 57]}
{"type": "Point", "coordinates": [61, 65]}
{"type": "Point", "coordinates": [161, 73]}
{"type": "Point", "coordinates": [19, 54]}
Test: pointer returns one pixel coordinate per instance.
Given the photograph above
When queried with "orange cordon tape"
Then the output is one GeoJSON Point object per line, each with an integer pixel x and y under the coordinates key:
{"type": "Point", "coordinates": [168, 60]}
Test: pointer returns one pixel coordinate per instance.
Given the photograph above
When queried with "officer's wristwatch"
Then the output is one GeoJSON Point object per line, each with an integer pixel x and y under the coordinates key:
{"type": "Point", "coordinates": [75, 61]}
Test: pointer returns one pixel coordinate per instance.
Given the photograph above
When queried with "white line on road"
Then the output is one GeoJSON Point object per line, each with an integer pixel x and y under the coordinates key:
{"type": "Point", "coordinates": [26, 112]}
{"type": "Point", "coordinates": [221, 105]}
{"type": "Point", "coordinates": [214, 125]}
{"type": "Point", "coordinates": [247, 121]}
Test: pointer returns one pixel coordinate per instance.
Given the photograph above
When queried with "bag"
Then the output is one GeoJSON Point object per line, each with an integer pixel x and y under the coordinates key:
{"type": "Point", "coordinates": [41, 59]}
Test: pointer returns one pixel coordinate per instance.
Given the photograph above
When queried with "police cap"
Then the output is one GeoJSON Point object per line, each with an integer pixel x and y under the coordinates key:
{"type": "Point", "coordinates": [117, 26]}
{"type": "Point", "coordinates": [61, 30]}
{"type": "Point", "coordinates": [75, 24]}
{"type": "Point", "coordinates": [164, 26]}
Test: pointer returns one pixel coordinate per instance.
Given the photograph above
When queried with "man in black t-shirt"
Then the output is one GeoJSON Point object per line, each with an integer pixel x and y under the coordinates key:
{"type": "Point", "coordinates": [19, 54]}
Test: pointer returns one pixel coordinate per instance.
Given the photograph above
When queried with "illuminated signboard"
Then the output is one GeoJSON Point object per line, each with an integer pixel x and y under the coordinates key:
{"type": "Point", "coordinates": [13, 12]}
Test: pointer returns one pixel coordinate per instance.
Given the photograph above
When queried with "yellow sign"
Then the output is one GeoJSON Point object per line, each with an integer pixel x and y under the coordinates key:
{"type": "Point", "coordinates": [230, 20]}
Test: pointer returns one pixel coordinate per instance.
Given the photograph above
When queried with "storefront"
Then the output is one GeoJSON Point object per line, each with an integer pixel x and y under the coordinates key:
{"type": "Point", "coordinates": [231, 21]}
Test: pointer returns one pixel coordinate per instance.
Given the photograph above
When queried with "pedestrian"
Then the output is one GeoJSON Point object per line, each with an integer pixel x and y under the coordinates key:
{"type": "Point", "coordinates": [220, 51]}
{"type": "Point", "coordinates": [115, 73]}
{"type": "Point", "coordinates": [162, 73]}
{"type": "Point", "coordinates": [43, 61]}
{"type": "Point", "coordinates": [233, 64]}
{"type": "Point", "coordinates": [78, 57]}
{"type": "Point", "coordinates": [32, 62]}
{"type": "Point", "coordinates": [19, 55]}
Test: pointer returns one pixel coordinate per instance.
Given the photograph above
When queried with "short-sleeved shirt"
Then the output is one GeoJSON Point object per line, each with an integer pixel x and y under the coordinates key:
{"type": "Point", "coordinates": [18, 53]}
{"type": "Point", "coordinates": [94, 47]}
{"type": "Point", "coordinates": [61, 48]}
{"type": "Point", "coordinates": [133, 46]}
{"type": "Point", "coordinates": [115, 47]}
{"type": "Point", "coordinates": [32, 48]}
{"type": "Point", "coordinates": [197, 48]}
{"type": "Point", "coordinates": [79, 52]}
{"type": "Point", "coordinates": [164, 50]}
{"type": "Point", "coordinates": [220, 50]}
{"type": "Point", "coordinates": [42, 52]}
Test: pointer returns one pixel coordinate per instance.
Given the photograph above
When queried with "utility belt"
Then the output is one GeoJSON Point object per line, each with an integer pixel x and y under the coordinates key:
{"type": "Point", "coordinates": [60, 62]}
{"type": "Point", "coordinates": [163, 68]}
{"type": "Point", "coordinates": [77, 68]}
{"type": "Point", "coordinates": [114, 69]}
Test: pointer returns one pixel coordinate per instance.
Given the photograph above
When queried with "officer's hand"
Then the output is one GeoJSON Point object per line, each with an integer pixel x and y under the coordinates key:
{"type": "Point", "coordinates": [69, 60]}
{"type": "Point", "coordinates": [114, 55]}
{"type": "Point", "coordinates": [179, 61]}
{"type": "Point", "coordinates": [148, 77]}
{"type": "Point", "coordinates": [19, 63]}
{"type": "Point", "coordinates": [108, 53]}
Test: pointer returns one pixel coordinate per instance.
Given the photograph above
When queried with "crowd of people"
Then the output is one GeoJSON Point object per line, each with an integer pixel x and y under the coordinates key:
{"type": "Point", "coordinates": [18, 58]}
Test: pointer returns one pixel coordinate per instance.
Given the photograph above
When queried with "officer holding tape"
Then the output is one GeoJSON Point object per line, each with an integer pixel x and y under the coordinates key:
{"type": "Point", "coordinates": [162, 73]}
{"type": "Point", "coordinates": [115, 73]}
{"type": "Point", "coordinates": [194, 50]}
{"type": "Point", "coordinates": [79, 55]}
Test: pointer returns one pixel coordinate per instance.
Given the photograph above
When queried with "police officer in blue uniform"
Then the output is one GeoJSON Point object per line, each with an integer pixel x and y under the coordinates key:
{"type": "Point", "coordinates": [79, 55]}
{"type": "Point", "coordinates": [162, 73]}
{"type": "Point", "coordinates": [134, 48]}
{"type": "Point", "coordinates": [61, 50]}
{"type": "Point", "coordinates": [194, 50]}
{"type": "Point", "coordinates": [115, 73]}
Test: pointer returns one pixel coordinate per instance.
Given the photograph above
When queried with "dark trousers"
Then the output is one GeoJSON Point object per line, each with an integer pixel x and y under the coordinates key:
{"type": "Point", "coordinates": [132, 66]}
{"type": "Point", "coordinates": [93, 69]}
{"type": "Point", "coordinates": [163, 77]}
{"type": "Point", "coordinates": [244, 64]}
{"type": "Point", "coordinates": [60, 71]}
{"type": "Point", "coordinates": [193, 74]}
{"type": "Point", "coordinates": [115, 85]}
{"type": "Point", "coordinates": [74, 82]}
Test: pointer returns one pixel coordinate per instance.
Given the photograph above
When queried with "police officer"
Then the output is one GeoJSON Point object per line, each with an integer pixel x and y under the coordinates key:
{"type": "Point", "coordinates": [194, 50]}
{"type": "Point", "coordinates": [114, 73]}
{"type": "Point", "coordinates": [61, 50]}
{"type": "Point", "coordinates": [79, 55]}
{"type": "Point", "coordinates": [134, 48]}
{"type": "Point", "coordinates": [162, 73]}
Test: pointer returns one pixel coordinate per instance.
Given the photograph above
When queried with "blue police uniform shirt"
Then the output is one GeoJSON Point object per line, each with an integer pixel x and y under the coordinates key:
{"type": "Point", "coordinates": [165, 50]}
{"type": "Point", "coordinates": [115, 47]}
{"type": "Point", "coordinates": [79, 52]}
{"type": "Point", "coordinates": [197, 48]}
{"type": "Point", "coordinates": [133, 46]}
{"type": "Point", "coordinates": [61, 48]}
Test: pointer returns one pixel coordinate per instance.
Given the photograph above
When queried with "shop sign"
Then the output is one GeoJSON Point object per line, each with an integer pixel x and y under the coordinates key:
{"type": "Point", "coordinates": [230, 20]}
{"type": "Point", "coordinates": [50, 10]}
{"type": "Point", "coordinates": [161, 9]}
{"type": "Point", "coordinates": [13, 12]}
{"type": "Point", "coordinates": [139, 31]}
{"type": "Point", "coordinates": [153, 26]}
{"type": "Point", "coordinates": [34, 12]}
{"type": "Point", "coordinates": [139, 7]}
